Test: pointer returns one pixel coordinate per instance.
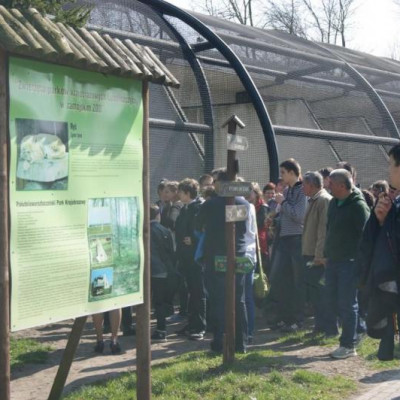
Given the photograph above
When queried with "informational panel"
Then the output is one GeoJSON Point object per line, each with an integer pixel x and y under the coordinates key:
{"type": "Point", "coordinates": [75, 192]}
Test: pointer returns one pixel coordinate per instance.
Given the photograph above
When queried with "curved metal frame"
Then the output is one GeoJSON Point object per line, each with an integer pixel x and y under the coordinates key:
{"type": "Point", "coordinates": [375, 98]}
{"type": "Point", "coordinates": [168, 9]}
{"type": "Point", "coordinates": [369, 90]}
{"type": "Point", "coordinates": [204, 91]}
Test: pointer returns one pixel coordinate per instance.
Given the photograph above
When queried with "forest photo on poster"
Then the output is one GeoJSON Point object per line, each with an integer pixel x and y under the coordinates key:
{"type": "Point", "coordinates": [113, 237]}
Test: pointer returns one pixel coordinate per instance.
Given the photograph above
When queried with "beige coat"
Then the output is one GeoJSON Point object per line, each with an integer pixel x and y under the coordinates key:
{"type": "Point", "coordinates": [315, 224]}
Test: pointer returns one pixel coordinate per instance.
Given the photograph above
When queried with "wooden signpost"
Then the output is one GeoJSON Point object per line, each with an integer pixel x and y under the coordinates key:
{"type": "Point", "coordinates": [143, 350]}
{"type": "Point", "coordinates": [232, 169]}
{"type": "Point", "coordinates": [4, 235]}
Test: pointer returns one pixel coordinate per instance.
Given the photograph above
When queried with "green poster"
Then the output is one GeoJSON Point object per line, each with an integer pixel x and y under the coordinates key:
{"type": "Point", "coordinates": [75, 192]}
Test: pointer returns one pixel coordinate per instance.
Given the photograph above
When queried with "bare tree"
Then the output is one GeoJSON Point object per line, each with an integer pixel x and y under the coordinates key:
{"type": "Point", "coordinates": [326, 21]}
{"type": "Point", "coordinates": [285, 16]}
{"type": "Point", "coordinates": [394, 46]}
{"type": "Point", "coordinates": [394, 50]}
{"type": "Point", "coordinates": [241, 11]}
{"type": "Point", "coordinates": [330, 18]}
{"type": "Point", "coordinates": [346, 8]}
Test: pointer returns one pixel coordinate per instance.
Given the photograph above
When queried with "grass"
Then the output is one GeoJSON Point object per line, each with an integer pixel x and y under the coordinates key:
{"type": "Point", "coordinates": [305, 337]}
{"type": "Point", "coordinates": [199, 375]}
{"type": "Point", "coordinates": [368, 349]}
{"type": "Point", "coordinates": [27, 351]}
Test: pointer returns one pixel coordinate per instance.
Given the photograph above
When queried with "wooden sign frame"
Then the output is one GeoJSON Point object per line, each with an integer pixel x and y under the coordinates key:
{"type": "Point", "coordinates": [143, 354]}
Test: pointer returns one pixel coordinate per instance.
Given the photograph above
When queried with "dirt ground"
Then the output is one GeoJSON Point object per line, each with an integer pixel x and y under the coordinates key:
{"type": "Point", "coordinates": [33, 382]}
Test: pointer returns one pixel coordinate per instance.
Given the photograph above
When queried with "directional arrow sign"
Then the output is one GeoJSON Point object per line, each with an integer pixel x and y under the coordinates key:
{"type": "Point", "coordinates": [235, 213]}
{"type": "Point", "coordinates": [230, 189]}
{"type": "Point", "coordinates": [237, 143]}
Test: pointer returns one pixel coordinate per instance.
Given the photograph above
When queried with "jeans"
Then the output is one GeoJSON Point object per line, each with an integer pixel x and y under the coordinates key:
{"type": "Point", "coordinates": [249, 300]}
{"type": "Point", "coordinates": [182, 291]}
{"type": "Point", "coordinates": [287, 280]}
{"type": "Point", "coordinates": [341, 300]}
{"type": "Point", "coordinates": [160, 298]}
{"type": "Point", "coordinates": [314, 292]}
{"type": "Point", "coordinates": [215, 283]}
{"type": "Point", "coordinates": [194, 276]}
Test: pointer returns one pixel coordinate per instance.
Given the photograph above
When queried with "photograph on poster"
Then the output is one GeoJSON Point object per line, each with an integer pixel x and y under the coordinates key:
{"type": "Point", "coordinates": [100, 251]}
{"type": "Point", "coordinates": [42, 160]}
{"type": "Point", "coordinates": [113, 236]}
{"type": "Point", "coordinates": [101, 282]}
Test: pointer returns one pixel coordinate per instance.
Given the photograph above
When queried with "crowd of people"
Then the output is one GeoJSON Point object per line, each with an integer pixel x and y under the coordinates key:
{"type": "Point", "coordinates": [325, 244]}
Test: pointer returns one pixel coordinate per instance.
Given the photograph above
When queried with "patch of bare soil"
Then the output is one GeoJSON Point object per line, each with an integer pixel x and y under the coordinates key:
{"type": "Point", "coordinates": [33, 382]}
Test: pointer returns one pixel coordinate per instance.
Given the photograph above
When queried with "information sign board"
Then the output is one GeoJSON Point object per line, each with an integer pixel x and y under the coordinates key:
{"type": "Point", "coordinates": [237, 142]}
{"type": "Point", "coordinates": [230, 189]}
{"type": "Point", "coordinates": [76, 197]}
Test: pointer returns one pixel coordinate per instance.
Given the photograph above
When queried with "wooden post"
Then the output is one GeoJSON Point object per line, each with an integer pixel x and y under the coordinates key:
{"type": "Point", "coordinates": [143, 352]}
{"type": "Point", "coordinates": [67, 358]}
{"type": "Point", "coordinates": [230, 291]}
{"type": "Point", "coordinates": [4, 235]}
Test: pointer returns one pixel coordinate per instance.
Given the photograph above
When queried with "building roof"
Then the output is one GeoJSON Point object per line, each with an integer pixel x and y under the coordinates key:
{"type": "Point", "coordinates": [29, 33]}
{"type": "Point", "coordinates": [279, 42]}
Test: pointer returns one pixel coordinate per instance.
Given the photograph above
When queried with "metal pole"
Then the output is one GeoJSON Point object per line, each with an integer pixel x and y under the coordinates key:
{"type": "Point", "coordinates": [67, 358]}
{"type": "Point", "coordinates": [4, 236]}
{"type": "Point", "coordinates": [143, 351]}
{"type": "Point", "coordinates": [334, 135]}
{"type": "Point", "coordinates": [186, 127]}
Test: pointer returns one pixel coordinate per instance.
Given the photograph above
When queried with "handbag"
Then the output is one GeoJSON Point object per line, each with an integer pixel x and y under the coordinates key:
{"type": "Point", "coordinates": [260, 283]}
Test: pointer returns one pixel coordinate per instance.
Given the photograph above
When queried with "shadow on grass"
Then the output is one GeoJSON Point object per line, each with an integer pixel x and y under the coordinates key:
{"type": "Point", "coordinates": [27, 351]}
{"type": "Point", "coordinates": [200, 374]}
{"type": "Point", "coordinates": [33, 357]}
{"type": "Point", "coordinates": [201, 366]}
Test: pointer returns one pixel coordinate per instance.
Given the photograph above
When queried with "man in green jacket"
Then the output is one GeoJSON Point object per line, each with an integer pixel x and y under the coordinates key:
{"type": "Point", "coordinates": [347, 214]}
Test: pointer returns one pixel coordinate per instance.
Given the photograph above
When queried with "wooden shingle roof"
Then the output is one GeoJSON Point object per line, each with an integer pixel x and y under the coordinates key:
{"type": "Point", "coordinates": [29, 33]}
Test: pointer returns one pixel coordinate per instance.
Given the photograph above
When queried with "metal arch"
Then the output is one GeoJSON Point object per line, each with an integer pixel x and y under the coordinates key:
{"type": "Point", "coordinates": [201, 80]}
{"type": "Point", "coordinates": [238, 67]}
{"type": "Point", "coordinates": [205, 94]}
{"type": "Point", "coordinates": [376, 99]}
{"type": "Point", "coordinates": [370, 91]}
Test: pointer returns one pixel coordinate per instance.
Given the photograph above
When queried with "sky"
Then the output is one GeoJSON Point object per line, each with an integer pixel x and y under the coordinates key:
{"type": "Point", "coordinates": [375, 26]}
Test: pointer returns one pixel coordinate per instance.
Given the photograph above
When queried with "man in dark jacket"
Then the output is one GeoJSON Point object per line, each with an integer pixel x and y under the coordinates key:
{"type": "Point", "coordinates": [347, 214]}
{"type": "Point", "coordinates": [162, 270]}
{"type": "Point", "coordinates": [186, 245]}
{"type": "Point", "coordinates": [212, 220]}
{"type": "Point", "coordinates": [378, 262]}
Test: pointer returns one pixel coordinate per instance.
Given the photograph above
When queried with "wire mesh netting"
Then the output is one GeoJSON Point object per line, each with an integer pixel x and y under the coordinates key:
{"type": "Point", "coordinates": [306, 86]}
